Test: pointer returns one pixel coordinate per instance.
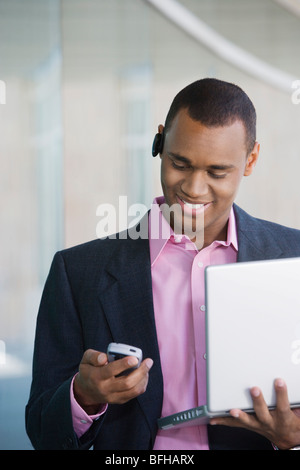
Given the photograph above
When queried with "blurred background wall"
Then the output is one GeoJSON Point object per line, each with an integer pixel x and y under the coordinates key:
{"type": "Point", "coordinates": [84, 85]}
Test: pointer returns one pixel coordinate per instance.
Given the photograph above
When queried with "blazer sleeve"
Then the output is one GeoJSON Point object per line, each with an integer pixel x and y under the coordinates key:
{"type": "Point", "coordinates": [58, 351]}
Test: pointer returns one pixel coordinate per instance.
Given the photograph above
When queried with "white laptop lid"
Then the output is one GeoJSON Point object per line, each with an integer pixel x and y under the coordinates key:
{"type": "Point", "coordinates": [253, 331]}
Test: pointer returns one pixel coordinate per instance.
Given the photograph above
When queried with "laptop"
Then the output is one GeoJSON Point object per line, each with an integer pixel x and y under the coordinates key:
{"type": "Point", "coordinates": [252, 337]}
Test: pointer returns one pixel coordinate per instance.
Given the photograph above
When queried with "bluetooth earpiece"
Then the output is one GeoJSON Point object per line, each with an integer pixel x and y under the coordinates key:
{"type": "Point", "coordinates": [158, 144]}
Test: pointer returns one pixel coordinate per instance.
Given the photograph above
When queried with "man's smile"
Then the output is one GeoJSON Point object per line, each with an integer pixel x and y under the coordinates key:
{"type": "Point", "coordinates": [192, 207]}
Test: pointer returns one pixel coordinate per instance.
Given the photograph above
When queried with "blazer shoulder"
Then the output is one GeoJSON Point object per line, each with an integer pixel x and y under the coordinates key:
{"type": "Point", "coordinates": [90, 248]}
{"type": "Point", "coordinates": [132, 239]}
{"type": "Point", "coordinates": [105, 246]}
{"type": "Point", "coordinates": [120, 248]}
{"type": "Point", "coordinates": [248, 222]}
{"type": "Point", "coordinates": [266, 235]}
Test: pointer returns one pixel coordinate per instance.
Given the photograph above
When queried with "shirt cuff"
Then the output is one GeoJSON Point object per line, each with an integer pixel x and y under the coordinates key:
{"type": "Point", "coordinates": [81, 420]}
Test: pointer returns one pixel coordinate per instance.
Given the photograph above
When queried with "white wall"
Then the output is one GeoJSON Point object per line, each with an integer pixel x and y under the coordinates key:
{"type": "Point", "coordinates": [104, 39]}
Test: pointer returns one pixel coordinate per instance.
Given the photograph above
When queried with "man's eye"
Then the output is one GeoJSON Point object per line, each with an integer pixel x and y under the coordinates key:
{"type": "Point", "coordinates": [217, 175]}
{"type": "Point", "coordinates": [178, 167]}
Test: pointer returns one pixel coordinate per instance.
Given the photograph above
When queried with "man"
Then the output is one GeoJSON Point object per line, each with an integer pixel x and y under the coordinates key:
{"type": "Point", "coordinates": [149, 292]}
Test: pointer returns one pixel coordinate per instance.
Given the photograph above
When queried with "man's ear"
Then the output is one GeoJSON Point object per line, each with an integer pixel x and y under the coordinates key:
{"type": "Point", "coordinates": [252, 159]}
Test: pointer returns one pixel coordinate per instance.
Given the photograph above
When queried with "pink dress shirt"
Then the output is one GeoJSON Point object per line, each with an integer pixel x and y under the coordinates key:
{"type": "Point", "coordinates": [177, 270]}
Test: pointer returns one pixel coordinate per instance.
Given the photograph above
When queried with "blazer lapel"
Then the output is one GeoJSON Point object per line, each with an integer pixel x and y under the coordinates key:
{"type": "Point", "coordinates": [126, 298]}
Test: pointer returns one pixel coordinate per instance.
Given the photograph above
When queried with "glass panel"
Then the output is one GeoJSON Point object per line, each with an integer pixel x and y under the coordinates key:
{"type": "Point", "coordinates": [30, 191]}
{"type": "Point", "coordinates": [135, 127]}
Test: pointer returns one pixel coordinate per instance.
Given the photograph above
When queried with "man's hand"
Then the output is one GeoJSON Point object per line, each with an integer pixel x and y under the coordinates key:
{"type": "Point", "coordinates": [281, 426]}
{"type": "Point", "coordinates": [97, 383]}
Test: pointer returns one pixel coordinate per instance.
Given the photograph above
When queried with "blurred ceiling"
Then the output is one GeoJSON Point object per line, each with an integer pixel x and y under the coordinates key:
{"type": "Point", "coordinates": [31, 30]}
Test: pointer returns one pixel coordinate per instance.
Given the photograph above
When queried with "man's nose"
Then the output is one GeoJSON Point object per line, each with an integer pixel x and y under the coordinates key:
{"type": "Point", "coordinates": [196, 185]}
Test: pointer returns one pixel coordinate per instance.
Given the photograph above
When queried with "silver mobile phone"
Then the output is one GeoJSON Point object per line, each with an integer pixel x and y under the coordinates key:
{"type": "Point", "coordinates": [117, 351]}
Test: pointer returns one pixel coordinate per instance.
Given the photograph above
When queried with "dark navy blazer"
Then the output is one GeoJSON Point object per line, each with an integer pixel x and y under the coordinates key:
{"type": "Point", "coordinates": [100, 292]}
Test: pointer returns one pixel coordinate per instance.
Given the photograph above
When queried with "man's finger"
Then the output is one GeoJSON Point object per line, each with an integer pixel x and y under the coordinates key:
{"type": "Point", "coordinates": [129, 362]}
{"type": "Point", "coordinates": [282, 399]}
{"type": "Point", "coordinates": [94, 358]}
{"type": "Point", "coordinates": [260, 407]}
{"type": "Point", "coordinates": [122, 365]}
{"type": "Point", "coordinates": [238, 418]}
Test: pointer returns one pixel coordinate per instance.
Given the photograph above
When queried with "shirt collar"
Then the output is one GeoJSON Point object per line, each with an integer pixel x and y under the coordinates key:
{"type": "Point", "coordinates": [231, 231]}
{"type": "Point", "coordinates": [160, 231]}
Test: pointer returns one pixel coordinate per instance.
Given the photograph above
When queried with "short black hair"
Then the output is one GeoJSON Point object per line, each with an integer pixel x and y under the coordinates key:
{"type": "Point", "coordinates": [216, 103]}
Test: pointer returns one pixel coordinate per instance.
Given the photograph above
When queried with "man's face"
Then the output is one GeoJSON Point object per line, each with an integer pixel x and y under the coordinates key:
{"type": "Point", "coordinates": [201, 169]}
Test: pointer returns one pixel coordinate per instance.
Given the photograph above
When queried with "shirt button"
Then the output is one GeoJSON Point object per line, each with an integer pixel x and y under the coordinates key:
{"type": "Point", "coordinates": [200, 264]}
{"type": "Point", "coordinates": [202, 308]}
{"type": "Point", "coordinates": [83, 421]}
{"type": "Point", "coordinates": [204, 356]}
{"type": "Point", "coordinates": [177, 239]}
